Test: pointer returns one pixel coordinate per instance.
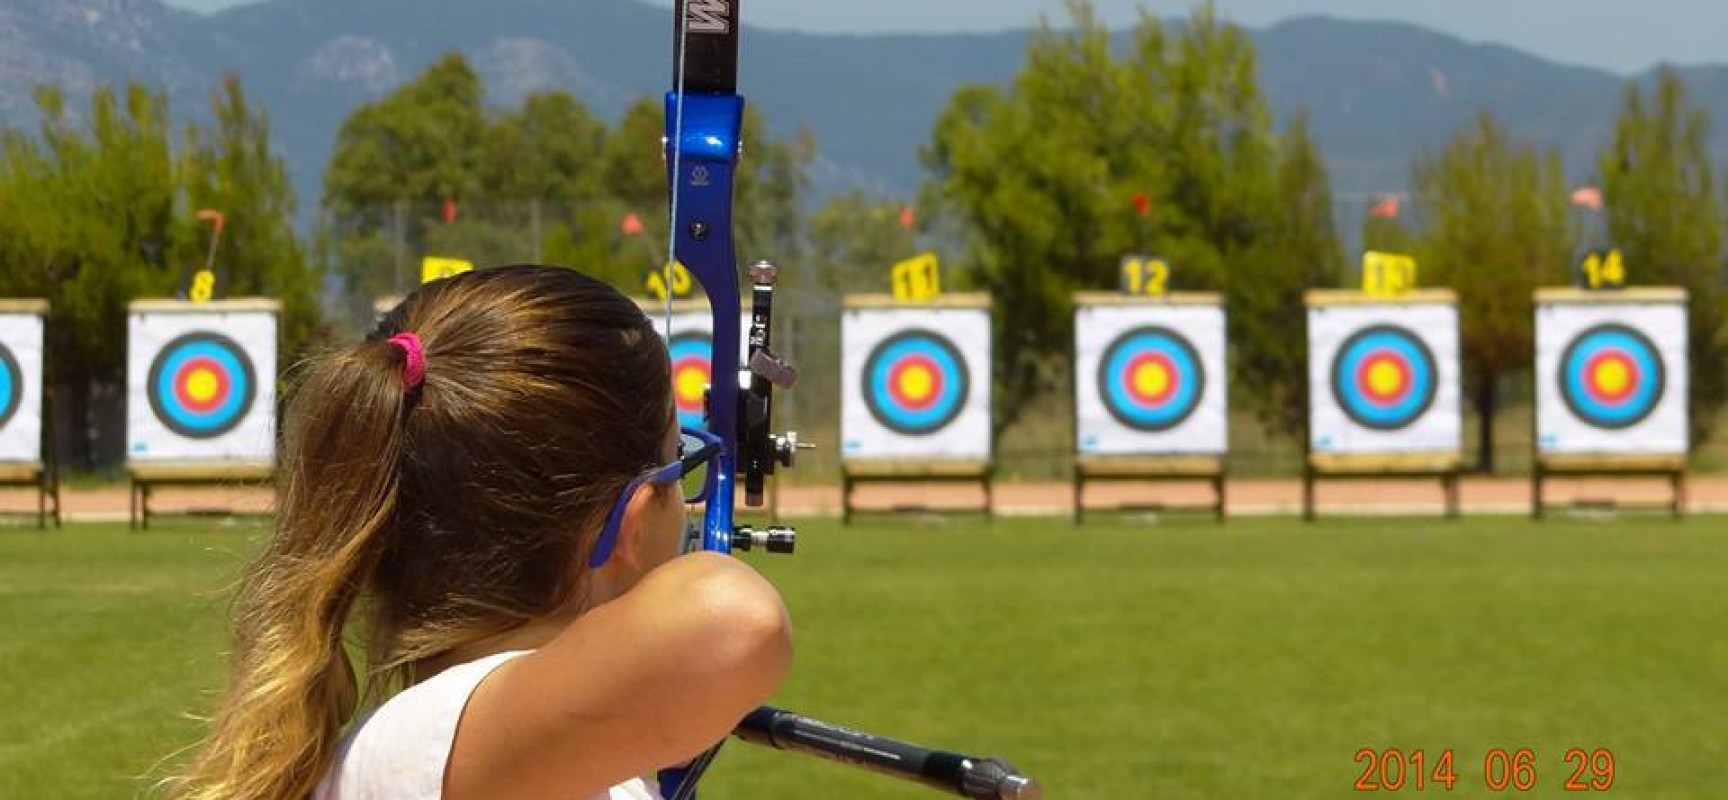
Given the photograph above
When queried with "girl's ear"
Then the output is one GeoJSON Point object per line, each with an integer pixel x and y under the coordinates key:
{"type": "Point", "coordinates": [633, 549]}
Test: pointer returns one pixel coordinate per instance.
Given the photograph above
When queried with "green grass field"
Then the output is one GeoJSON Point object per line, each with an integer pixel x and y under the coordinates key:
{"type": "Point", "coordinates": [1168, 661]}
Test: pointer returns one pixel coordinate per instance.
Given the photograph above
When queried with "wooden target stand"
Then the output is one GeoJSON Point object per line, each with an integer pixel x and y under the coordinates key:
{"type": "Point", "coordinates": [1151, 468]}
{"type": "Point", "coordinates": [1447, 468]}
{"type": "Point", "coordinates": [42, 475]}
{"type": "Point", "coordinates": [148, 476]}
{"type": "Point", "coordinates": [1546, 467]}
{"type": "Point", "coordinates": [855, 472]}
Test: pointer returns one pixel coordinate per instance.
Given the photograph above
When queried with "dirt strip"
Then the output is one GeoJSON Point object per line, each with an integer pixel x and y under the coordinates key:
{"type": "Point", "coordinates": [1247, 497]}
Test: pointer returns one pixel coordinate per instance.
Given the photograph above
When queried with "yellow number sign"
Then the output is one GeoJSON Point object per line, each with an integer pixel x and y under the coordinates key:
{"type": "Point", "coordinates": [918, 279]}
{"type": "Point", "coordinates": [1386, 274]}
{"type": "Point", "coordinates": [1145, 276]}
{"type": "Point", "coordinates": [683, 283]}
{"type": "Point", "coordinates": [434, 268]}
{"type": "Point", "coordinates": [1603, 270]}
{"type": "Point", "coordinates": [203, 288]}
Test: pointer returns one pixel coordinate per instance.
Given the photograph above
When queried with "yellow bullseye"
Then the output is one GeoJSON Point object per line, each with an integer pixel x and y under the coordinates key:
{"type": "Point", "coordinates": [1384, 378]}
{"type": "Point", "coordinates": [1612, 377]}
{"type": "Point", "coordinates": [692, 383]}
{"type": "Point", "coordinates": [917, 383]}
{"type": "Point", "coordinates": [202, 386]}
{"type": "Point", "coordinates": [1151, 380]}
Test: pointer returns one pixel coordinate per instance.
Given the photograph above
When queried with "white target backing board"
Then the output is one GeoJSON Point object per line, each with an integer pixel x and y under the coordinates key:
{"type": "Point", "coordinates": [1611, 372]}
{"type": "Point", "coordinates": [691, 348]}
{"type": "Point", "coordinates": [1149, 375]}
{"type": "Point", "coordinates": [22, 344]}
{"type": "Point", "coordinates": [201, 381]}
{"type": "Point", "coordinates": [915, 380]}
{"type": "Point", "coordinates": [1383, 374]}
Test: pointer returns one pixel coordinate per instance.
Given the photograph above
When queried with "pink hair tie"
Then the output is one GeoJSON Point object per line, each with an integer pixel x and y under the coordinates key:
{"type": "Point", "coordinates": [414, 369]}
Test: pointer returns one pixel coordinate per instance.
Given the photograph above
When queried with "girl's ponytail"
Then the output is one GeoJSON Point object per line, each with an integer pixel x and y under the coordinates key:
{"type": "Point", "coordinates": [291, 685]}
{"type": "Point", "coordinates": [449, 487]}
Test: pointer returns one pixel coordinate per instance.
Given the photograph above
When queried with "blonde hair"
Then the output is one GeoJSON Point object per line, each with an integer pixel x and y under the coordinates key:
{"type": "Point", "coordinates": [445, 514]}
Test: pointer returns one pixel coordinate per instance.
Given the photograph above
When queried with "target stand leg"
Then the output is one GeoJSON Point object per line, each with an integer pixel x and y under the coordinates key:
{"type": "Point", "coordinates": [1079, 482]}
{"type": "Point", "coordinates": [1308, 494]}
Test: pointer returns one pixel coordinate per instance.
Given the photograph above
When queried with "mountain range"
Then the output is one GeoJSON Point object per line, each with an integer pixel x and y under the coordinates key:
{"type": "Point", "coordinates": [1377, 93]}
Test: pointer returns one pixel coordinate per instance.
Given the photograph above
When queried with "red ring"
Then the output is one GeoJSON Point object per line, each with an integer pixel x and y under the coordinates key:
{"type": "Point", "coordinates": [898, 392]}
{"type": "Point", "coordinates": [1134, 366]}
{"type": "Point", "coordinates": [1365, 386]}
{"type": "Point", "coordinates": [185, 373]}
{"type": "Point", "coordinates": [1593, 367]}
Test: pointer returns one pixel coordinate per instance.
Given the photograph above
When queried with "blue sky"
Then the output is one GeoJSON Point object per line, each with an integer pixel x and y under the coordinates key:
{"type": "Point", "coordinates": [1620, 35]}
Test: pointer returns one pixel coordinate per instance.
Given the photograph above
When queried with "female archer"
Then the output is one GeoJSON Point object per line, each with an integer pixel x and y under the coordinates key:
{"type": "Point", "coordinates": [486, 499]}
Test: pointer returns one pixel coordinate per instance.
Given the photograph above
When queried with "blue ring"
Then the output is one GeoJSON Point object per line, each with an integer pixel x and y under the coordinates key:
{"type": "Point", "coordinates": [11, 385]}
{"type": "Point", "coordinates": [1645, 398]}
{"type": "Point", "coordinates": [1363, 410]}
{"type": "Point", "coordinates": [1113, 379]}
{"type": "Point", "coordinates": [956, 382]}
{"type": "Point", "coordinates": [230, 357]}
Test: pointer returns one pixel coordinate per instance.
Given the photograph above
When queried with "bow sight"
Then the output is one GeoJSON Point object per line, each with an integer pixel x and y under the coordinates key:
{"type": "Point", "coordinates": [760, 452]}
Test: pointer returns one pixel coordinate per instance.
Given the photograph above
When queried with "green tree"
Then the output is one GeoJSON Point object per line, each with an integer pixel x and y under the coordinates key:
{"type": "Point", "coordinates": [96, 227]}
{"type": "Point", "coordinates": [424, 142]}
{"type": "Point", "coordinates": [230, 168]}
{"type": "Point", "coordinates": [1266, 303]}
{"type": "Point", "coordinates": [1666, 216]}
{"type": "Point", "coordinates": [397, 162]}
{"type": "Point", "coordinates": [1087, 156]}
{"type": "Point", "coordinates": [853, 241]}
{"type": "Point", "coordinates": [1497, 226]}
{"type": "Point", "coordinates": [547, 181]}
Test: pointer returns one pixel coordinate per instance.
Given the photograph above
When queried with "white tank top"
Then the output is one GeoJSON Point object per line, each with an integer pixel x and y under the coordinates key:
{"type": "Point", "coordinates": [401, 750]}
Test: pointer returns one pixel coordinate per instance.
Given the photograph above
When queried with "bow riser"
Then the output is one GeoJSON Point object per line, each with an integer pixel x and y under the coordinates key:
{"type": "Point", "coordinates": [702, 160]}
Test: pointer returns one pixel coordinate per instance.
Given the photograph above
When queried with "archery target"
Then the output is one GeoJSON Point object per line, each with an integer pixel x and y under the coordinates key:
{"type": "Point", "coordinates": [1612, 378]}
{"type": "Point", "coordinates": [916, 383]}
{"type": "Point", "coordinates": [1150, 380]}
{"type": "Point", "coordinates": [690, 347]}
{"type": "Point", "coordinates": [201, 384]}
{"type": "Point", "coordinates": [1384, 378]}
{"type": "Point", "coordinates": [21, 349]}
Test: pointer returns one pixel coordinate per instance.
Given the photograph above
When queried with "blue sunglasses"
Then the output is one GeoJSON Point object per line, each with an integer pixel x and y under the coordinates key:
{"type": "Point", "coordinates": [696, 450]}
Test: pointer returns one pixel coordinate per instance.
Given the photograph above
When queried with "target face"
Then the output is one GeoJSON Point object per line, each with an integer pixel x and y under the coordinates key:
{"type": "Point", "coordinates": [1151, 379]}
{"type": "Point", "coordinates": [201, 385]}
{"type": "Point", "coordinates": [916, 382]}
{"type": "Point", "coordinates": [692, 373]}
{"type": "Point", "coordinates": [1612, 377]}
{"type": "Point", "coordinates": [11, 385]}
{"type": "Point", "coordinates": [1384, 378]}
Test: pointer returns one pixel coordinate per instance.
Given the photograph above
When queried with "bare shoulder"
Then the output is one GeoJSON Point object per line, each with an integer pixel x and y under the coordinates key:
{"type": "Point", "coordinates": [641, 683]}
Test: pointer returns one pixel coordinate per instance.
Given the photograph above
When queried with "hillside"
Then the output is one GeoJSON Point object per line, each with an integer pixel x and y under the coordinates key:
{"type": "Point", "coordinates": [1377, 92]}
